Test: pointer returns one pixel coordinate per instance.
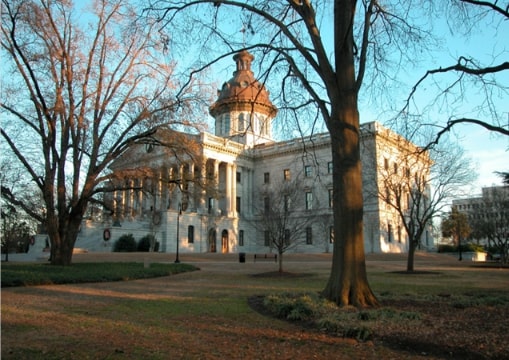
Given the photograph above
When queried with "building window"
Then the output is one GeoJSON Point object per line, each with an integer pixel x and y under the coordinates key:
{"type": "Point", "coordinates": [389, 232]}
{"type": "Point", "coordinates": [331, 234]}
{"type": "Point", "coordinates": [242, 122]}
{"type": "Point", "coordinates": [286, 174]}
{"type": "Point", "coordinates": [226, 124]}
{"type": "Point", "coordinates": [309, 200]}
{"type": "Point", "coordinates": [395, 168]}
{"type": "Point", "coordinates": [331, 198]}
{"type": "Point", "coordinates": [190, 234]}
{"type": "Point", "coordinates": [309, 235]}
{"type": "Point", "coordinates": [399, 233]}
{"type": "Point", "coordinates": [266, 178]}
{"type": "Point", "coordinates": [241, 237]}
{"type": "Point", "coordinates": [386, 164]}
{"type": "Point", "coordinates": [329, 167]}
{"type": "Point", "coordinates": [211, 204]}
{"type": "Point", "coordinates": [308, 170]}
{"type": "Point", "coordinates": [267, 238]}
{"type": "Point", "coordinates": [237, 204]}
{"type": "Point", "coordinates": [239, 177]}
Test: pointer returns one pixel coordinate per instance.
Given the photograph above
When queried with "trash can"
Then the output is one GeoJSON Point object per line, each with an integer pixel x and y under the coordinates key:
{"type": "Point", "coordinates": [242, 257]}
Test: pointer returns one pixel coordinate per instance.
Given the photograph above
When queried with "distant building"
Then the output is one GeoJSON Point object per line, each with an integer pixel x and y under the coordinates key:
{"type": "Point", "coordinates": [491, 207]}
{"type": "Point", "coordinates": [216, 213]}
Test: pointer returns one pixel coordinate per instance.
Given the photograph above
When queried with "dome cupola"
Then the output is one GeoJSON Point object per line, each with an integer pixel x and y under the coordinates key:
{"type": "Point", "coordinates": [243, 109]}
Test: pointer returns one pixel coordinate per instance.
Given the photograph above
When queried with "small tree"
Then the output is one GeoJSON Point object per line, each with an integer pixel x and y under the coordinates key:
{"type": "Point", "coordinates": [418, 184]}
{"type": "Point", "coordinates": [284, 216]}
{"type": "Point", "coordinates": [456, 225]}
{"type": "Point", "coordinates": [15, 231]}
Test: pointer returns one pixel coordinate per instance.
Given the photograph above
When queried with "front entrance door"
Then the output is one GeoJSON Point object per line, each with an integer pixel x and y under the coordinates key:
{"type": "Point", "coordinates": [224, 242]}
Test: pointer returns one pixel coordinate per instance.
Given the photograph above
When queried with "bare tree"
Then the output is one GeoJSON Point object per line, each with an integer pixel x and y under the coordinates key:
{"type": "Point", "coordinates": [77, 96]}
{"type": "Point", "coordinates": [417, 185]}
{"type": "Point", "coordinates": [16, 231]}
{"type": "Point", "coordinates": [284, 216]}
{"type": "Point", "coordinates": [456, 225]}
{"type": "Point", "coordinates": [323, 48]}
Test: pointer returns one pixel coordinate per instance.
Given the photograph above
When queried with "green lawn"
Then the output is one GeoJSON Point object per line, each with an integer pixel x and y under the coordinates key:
{"type": "Point", "coordinates": [27, 274]}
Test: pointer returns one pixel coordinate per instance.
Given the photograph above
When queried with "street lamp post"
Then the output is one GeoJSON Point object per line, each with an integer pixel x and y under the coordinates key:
{"type": "Point", "coordinates": [177, 260]}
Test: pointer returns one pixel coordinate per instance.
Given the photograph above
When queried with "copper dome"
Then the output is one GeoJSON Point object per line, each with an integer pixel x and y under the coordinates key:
{"type": "Point", "coordinates": [243, 91]}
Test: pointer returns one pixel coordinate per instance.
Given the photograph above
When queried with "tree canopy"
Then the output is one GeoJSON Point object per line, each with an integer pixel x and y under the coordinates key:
{"type": "Point", "coordinates": [83, 86]}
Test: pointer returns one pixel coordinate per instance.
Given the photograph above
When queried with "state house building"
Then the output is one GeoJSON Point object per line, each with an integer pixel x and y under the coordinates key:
{"type": "Point", "coordinates": [218, 211]}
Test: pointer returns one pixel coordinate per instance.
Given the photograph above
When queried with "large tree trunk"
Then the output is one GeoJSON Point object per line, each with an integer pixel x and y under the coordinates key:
{"type": "Point", "coordinates": [411, 256]}
{"type": "Point", "coordinates": [63, 234]}
{"type": "Point", "coordinates": [348, 282]}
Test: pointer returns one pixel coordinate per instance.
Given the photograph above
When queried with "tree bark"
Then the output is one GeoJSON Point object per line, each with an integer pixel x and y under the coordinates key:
{"type": "Point", "coordinates": [348, 282]}
{"type": "Point", "coordinates": [411, 255]}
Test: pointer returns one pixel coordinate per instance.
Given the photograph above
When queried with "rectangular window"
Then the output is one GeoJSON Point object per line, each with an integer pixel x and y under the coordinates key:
{"type": "Point", "coordinates": [267, 238]}
{"type": "Point", "coordinates": [239, 177]}
{"type": "Point", "coordinates": [241, 237]}
{"type": "Point", "coordinates": [286, 174]}
{"type": "Point", "coordinates": [211, 204]}
{"type": "Point", "coordinates": [308, 170]}
{"type": "Point", "coordinates": [266, 178]}
{"type": "Point", "coordinates": [190, 234]}
{"type": "Point", "coordinates": [389, 232]}
{"type": "Point", "coordinates": [237, 204]}
{"type": "Point", "coordinates": [309, 235]}
{"type": "Point", "coordinates": [309, 200]}
{"type": "Point", "coordinates": [329, 167]}
{"type": "Point", "coordinates": [386, 164]}
{"type": "Point", "coordinates": [331, 198]}
{"type": "Point", "coordinates": [331, 234]}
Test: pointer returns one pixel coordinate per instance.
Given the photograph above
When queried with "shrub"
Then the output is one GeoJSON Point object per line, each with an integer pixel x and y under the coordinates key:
{"type": "Point", "coordinates": [125, 243]}
{"type": "Point", "coordinates": [144, 243]}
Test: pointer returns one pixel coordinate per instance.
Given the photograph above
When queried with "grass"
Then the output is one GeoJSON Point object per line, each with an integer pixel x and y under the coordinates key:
{"type": "Point", "coordinates": [205, 314]}
{"type": "Point", "coordinates": [26, 274]}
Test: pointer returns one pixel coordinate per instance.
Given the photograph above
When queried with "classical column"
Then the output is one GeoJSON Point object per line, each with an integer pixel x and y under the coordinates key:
{"type": "Point", "coordinates": [228, 200]}
{"type": "Point", "coordinates": [191, 188]}
{"type": "Point", "coordinates": [159, 193]}
{"type": "Point", "coordinates": [179, 188]}
{"type": "Point", "coordinates": [140, 197]}
{"type": "Point", "coordinates": [130, 199]}
{"type": "Point", "coordinates": [202, 206]}
{"type": "Point", "coordinates": [249, 191]}
{"type": "Point", "coordinates": [115, 205]}
{"type": "Point", "coordinates": [234, 189]}
{"type": "Point", "coordinates": [216, 185]}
